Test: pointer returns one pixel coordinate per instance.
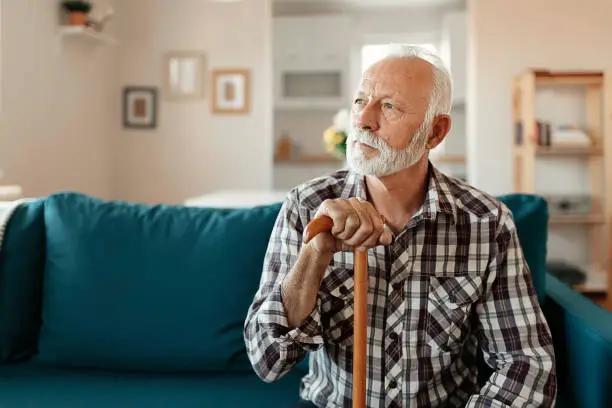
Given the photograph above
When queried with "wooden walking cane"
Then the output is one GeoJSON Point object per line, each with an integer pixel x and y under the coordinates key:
{"type": "Point", "coordinates": [325, 223]}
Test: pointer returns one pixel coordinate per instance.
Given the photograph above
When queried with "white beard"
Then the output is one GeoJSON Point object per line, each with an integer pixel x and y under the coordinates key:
{"type": "Point", "coordinates": [389, 160]}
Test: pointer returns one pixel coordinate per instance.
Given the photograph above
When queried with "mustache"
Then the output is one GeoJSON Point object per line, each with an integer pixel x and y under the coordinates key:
{"type": "Point", "coordinates": [368, 138]}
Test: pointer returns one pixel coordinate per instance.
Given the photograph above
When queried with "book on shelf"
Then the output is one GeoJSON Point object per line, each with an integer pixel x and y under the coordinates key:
{"type": "Point", "coordinates": [571, 136]}
{"type": "Point", "coordinates": [545, 134]}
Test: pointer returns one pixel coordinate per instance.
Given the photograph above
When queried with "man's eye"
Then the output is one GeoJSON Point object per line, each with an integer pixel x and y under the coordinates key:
{"type": "Point", "coordinates": [358, 101]}
{"type": "Point", "coordinates": [387, 105]}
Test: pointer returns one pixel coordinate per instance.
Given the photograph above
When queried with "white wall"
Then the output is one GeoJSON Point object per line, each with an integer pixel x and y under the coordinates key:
{"type": "Point", "coordinates": [56, 113]}
{"type": "Point", "coordinates": [192, 151]}
{"type": "Point", "coordinates": [506, 37]}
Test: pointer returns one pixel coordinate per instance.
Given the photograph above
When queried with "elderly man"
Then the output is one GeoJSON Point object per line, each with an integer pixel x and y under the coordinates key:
{"type": "Point", "coordinates": [446, 273]}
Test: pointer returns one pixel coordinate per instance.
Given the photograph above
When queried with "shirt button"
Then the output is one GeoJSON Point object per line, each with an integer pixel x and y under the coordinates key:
{"type": "Point", "coordinates": [394, 336]}
{"type": "Point", "coordinates": [392, 384]}
{"type": "Point", "coordinates": [344, 291]}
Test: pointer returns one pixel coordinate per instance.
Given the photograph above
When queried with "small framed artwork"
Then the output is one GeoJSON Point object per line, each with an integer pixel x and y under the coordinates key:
{"type": "Point", "coordinates": [231, 91]}
{"type": "Point", "coordinates": [184, 73]}
{"type": "Point", "coordinates": [140, 107]}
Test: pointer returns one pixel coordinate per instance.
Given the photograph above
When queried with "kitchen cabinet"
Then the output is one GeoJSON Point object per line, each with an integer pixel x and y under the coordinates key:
{"type": "Point", "coordinates": [311, 62]}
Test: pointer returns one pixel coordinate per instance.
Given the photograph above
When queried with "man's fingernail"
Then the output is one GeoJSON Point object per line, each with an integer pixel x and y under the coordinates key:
{"type": "Point", "coordinates": [361, 249]}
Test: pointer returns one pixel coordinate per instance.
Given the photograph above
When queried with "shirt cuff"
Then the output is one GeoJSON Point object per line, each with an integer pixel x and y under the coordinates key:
{"type": "Point", "coordinates": [273, 318]}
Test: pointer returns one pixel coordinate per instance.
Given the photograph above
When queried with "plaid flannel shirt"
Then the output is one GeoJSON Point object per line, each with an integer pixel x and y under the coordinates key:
{"type": "Point", "coordinates": [453, 280]}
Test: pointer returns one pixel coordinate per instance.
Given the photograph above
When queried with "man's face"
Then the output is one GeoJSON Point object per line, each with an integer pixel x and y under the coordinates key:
{"type": "Point", "coordinates": [388, 127]}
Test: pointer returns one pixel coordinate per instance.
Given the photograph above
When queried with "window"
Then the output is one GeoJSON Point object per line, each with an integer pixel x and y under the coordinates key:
{"type": "Point", "coordinates": [371, 53]}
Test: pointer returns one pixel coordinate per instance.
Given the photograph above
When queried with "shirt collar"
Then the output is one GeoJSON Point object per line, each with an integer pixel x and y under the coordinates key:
{"type": "Point", "coordinates": [438, 198]}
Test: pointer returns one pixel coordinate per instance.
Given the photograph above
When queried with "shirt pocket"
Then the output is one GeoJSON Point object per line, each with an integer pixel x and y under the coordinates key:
{"type": "Point", "coordinates": [450, 303]}
{"type": "Point", "coordinates": [337, 307]}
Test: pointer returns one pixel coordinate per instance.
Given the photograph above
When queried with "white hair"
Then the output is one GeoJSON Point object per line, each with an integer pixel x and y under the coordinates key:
{"type": "Point", "coordinates": [442, 90]}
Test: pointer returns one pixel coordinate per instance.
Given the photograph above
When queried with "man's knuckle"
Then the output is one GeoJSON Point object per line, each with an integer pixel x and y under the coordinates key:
{"type": "Point", "coordinates": [340, 221]}
{"type": "Point", "coordinates": [367, 228]}
{"type": "Point", "coordinates": [324, 206]}
{"type": "Point", "coordinates": [371, 242]}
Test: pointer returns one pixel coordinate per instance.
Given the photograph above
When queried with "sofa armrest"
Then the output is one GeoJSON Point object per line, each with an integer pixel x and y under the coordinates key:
{"type": "Point", "coordinates": [582, 333]}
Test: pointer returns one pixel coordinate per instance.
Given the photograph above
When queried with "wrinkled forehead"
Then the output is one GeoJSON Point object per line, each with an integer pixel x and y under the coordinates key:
{"type": "Point", "coordinates": [404, 78]}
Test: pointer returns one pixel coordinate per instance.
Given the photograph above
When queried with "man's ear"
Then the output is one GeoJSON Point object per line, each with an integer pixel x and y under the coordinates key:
{"type": "Point", "coordinates": [440, 128]}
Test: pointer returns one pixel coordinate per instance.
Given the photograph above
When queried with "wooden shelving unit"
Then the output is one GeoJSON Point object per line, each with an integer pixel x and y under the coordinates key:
{"type": "Point", "coordinates": [598, 156]}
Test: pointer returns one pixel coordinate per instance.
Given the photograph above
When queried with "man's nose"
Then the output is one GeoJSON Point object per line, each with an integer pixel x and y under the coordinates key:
{"type": "Point", "coordinates": [367, 120]}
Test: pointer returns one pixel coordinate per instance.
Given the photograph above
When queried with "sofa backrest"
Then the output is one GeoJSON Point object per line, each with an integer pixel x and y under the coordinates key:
{"type": "Point", "coordinates": [530, 214]}
{"type": "Point", "coordinates": [133, 286]}
{"type": "Point", "coordinates": [89, 282]}
{"type": "Point", "coordinates": [22, 259]}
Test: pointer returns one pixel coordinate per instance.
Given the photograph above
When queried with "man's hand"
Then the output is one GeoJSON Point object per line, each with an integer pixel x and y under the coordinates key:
{"type": "Point", "coordinates": [356, 225]}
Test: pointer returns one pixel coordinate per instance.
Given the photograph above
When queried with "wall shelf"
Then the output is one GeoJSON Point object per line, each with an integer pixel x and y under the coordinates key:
{"type": "Point", "coordinates": [596, 282]}
{"type": "Point", "coordinates": [568, 78]}
{"type": "Point", "coordinates": [586, 151]}
{"type": "Point", "coordinates": [591, 288]}
{"type": "Point", "coordinates": [318, 159]}
{"type": "Point", "coordinates": [568, 151]}
{"type": "Point", "coordinates": [576, 219]}
{"type": "Point", "coordinates": [87, 33]}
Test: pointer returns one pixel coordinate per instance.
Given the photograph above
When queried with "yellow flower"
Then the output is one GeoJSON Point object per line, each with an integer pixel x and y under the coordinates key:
{"type": "Point", "coordinates": [329, 135]}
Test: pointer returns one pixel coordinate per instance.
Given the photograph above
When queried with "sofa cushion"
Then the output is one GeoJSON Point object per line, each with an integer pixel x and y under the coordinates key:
{"type": "Point", "coordinates": [30, 385]}
{"type": "Point", "coordinates": [132, 286]}
{"type": "Point", "coordinates": [22, 259]}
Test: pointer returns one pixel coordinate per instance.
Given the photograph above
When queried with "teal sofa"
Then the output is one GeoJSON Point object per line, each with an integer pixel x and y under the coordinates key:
{"type": "Point", "coordinates": [115, 304]}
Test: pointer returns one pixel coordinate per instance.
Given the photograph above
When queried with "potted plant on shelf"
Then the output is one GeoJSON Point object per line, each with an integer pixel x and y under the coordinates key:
{"type": "Point", "coordinates": [77, 11]}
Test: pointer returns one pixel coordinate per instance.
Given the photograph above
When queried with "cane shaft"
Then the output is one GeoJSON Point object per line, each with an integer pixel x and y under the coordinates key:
{"type": "Point", "coordinates": [360, 329]}
{"type": "Point", "coordinates": [360, 304]}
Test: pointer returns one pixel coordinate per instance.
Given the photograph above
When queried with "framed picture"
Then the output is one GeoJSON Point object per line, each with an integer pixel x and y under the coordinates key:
{"type": "Point", "coordinates": [140, 107]}
{"type": "Point", "coordinates": [184, 73]}
{"type": "Point", "coordinates": [231, 91]}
